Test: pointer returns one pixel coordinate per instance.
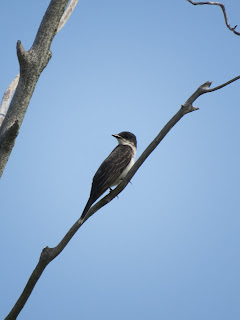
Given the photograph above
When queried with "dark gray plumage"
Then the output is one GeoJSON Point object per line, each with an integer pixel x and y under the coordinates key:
{"type": "Point", "coordinates": [114, 168]}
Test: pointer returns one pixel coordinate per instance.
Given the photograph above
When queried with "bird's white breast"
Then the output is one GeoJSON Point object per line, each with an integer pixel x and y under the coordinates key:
{"type": "Point", "coordinates": [129, 166]}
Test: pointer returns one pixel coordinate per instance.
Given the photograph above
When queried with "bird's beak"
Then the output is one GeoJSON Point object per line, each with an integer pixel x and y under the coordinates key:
{"type": "Point", "coordinates": [116, 136]}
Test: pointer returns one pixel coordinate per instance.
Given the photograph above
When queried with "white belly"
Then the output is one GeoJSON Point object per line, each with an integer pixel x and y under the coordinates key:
{"type": "Point", "coordinates": [125, 171]}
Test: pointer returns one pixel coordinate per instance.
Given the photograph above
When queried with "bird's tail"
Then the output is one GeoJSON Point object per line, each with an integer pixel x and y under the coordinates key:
{"type": "Point", "coordinates": [87, 207]}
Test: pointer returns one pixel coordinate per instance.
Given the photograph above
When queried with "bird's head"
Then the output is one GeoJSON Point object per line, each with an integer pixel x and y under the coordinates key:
{"type": "Point", "coordinates": [126, 138]}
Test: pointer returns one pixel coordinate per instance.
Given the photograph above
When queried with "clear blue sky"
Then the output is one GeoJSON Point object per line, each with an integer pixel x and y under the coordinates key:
{"type": "Point", "coordinates": [168, 248]}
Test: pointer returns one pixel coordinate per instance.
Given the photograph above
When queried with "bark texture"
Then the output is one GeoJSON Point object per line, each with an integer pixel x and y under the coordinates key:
{"type": "Point", "coordinates": [31, 64]}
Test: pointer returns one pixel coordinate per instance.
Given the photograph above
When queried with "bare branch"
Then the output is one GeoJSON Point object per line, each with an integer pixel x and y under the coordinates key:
{"type": "Point", "coordinates": [7, 98]}
{"type": "Point", "coordinates": [224, 84]}
{"type": "Point", "coordinates": [13, 85]}
{"type": "Point", "coordinates": [31, 63]}
{"type": "Point", "coordinates": [233, 29]}
{"type": "Point", "coordinates": [187, 107]}
{"type": "Point", "coordinates": [48, 254]}
{"type": "Point", "coordinates": [67, 14]}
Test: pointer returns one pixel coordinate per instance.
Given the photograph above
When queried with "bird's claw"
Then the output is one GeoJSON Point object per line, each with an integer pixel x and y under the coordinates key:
{"type": "Point", "coordinates": [111, 191]}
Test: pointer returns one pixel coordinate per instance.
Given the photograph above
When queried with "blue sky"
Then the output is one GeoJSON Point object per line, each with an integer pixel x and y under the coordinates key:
{"type": "Point", "coordinates": [168, 248]}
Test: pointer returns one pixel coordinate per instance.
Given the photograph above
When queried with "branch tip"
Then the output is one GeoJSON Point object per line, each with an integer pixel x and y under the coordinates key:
{"type": "Point", "coordinates": [21, 53]}
{"type": "Point", "coordinates": [206, 85]}
{"type": "Point", "coordinates": [195, 108]}
{"type": "Point", "coordinates": [44, 254]}
{"type": "Point", "coordinates": [20, 48]}
{"type": "Point", "coordinates": [223, 10]}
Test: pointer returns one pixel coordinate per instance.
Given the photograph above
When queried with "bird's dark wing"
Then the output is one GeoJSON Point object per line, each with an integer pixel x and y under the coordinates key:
{"type": "Point", "coordinates": [110, 170]}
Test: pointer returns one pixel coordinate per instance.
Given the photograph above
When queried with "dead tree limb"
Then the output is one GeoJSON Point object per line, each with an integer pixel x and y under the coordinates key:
{"type": "Point", "coordinates": [7, 98]}
{"type": "Point", "coordinates": [31, 63]}
{"type": "Point", "coordinates": [233, 29]}
{"type": "Point", "coordinates": [48, 254]}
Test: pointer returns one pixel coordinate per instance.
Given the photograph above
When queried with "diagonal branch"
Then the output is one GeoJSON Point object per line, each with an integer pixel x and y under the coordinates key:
{"type": "Point", "coordinates": [7, 98]}
{"type": "Point", "coordinates": [233, 29]}
{"type": "Point", "coordinates": [48, 254]}
{"type": "Point", "coordinates": [67, 14]}
{"type": "Point", "coordinates": [35, 61]}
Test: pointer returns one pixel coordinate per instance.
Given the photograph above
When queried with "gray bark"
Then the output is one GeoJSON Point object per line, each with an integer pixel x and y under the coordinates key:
{"type": "Point", "coordinates": [31, 64]}
{"type": "Point", "coordinates": [233, 29]}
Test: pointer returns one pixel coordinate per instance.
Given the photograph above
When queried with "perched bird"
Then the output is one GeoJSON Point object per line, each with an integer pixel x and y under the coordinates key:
{"type": "Point", "coordinates": [114, 168]}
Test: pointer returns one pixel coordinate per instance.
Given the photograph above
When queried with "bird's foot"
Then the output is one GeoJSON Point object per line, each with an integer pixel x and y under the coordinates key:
{"type": "Point", "coordinates": [111, 191]}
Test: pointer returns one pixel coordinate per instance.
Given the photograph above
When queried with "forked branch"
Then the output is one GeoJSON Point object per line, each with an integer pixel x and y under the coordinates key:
{"type": "Point", "coordinates": [233, 29]}
{"type": "Point", "coordinates": [31, 63]}
{"type": "Point", "coordinates": [48, 254]}
{"type": "Point", "coordinates": [13, 85]}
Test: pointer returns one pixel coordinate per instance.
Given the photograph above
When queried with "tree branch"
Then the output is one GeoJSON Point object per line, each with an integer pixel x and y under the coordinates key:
{"type": "Point", "coordinates": [48, 254]}
{"type": "Point", "coordinates": [7, 98]}
{"type": "Point", "coordinates": [223, 10]}
{"type": "Point", "coordinates": [67, 14]}
{"type": "Point", "coordinates": [31, 63]}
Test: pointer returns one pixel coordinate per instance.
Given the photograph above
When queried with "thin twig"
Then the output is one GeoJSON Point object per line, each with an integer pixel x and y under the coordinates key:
{"type": "Point", "coordinates": [233, 29]}
{"type": "Point", "coordinates": [224, 84]}
{"type": "Point", "coordinates": [48, 254]}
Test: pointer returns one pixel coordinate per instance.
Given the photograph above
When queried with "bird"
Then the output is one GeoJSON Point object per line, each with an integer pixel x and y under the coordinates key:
{"type": "Point", "coordinates": [114, 168]}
